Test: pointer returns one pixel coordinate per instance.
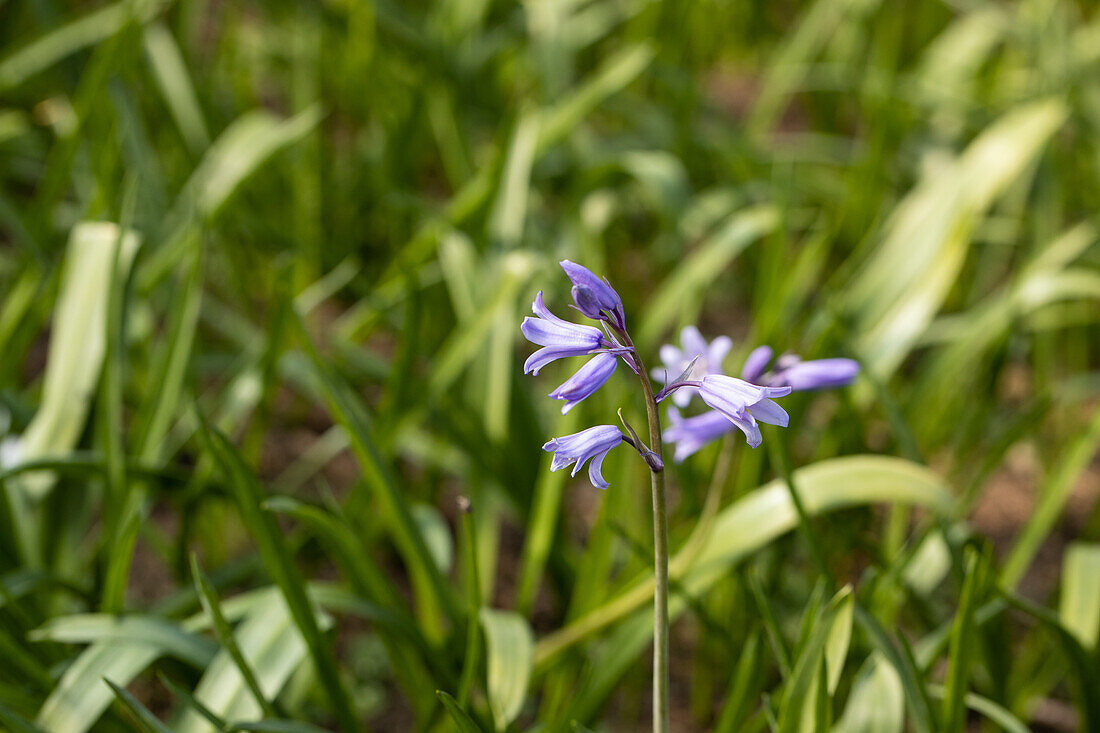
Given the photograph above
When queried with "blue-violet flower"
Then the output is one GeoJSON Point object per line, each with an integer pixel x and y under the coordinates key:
{"type": "Point", "coordinates": [595, 443]}
{"type": "Point", "coordinates": [744, 403]}
{"type": "Point", "coordinates": [594, 296]}
{"type": "Point", "coordinates": [689, 434]}
{"type": "Point", "coordinates": [586, 380]}
{"type": "Point", "coordinates": [692, 433]}
{"type": "Point", "coordinates": [708, 360]}
{"type": "Point", "coordinates": [559, 338]}
{"type": "Point", "coordinates": [791, 371]}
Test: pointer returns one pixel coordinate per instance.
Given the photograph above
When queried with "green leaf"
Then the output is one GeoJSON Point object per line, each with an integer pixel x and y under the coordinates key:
{"type": "Point", "coordinates": [190, 703]}
{"type": "Point", "coordinates": [169, 69]}
{"type": "Point", "coordinates": [54, 45]}
{"type": "Point", "coordinates": [1004, 719]}
{"type": "Point", "coordinates": [926, 240]}
{"type": "Point", "coordinates": [15, 722]}
{"type": "Point", "coordinates": [837, 642]}
{"type": "Point", "coordinates": [741, 690]}
{"type": "Point", "coordinates": [877, 701]}
{"type": "Point", "coordinates": [270, 644]}
{"type": "Point", "coordinates": [348, 411]}
{"type": "Point", "coordinates": [510, 208]}
{"type": "Point", "coordinates": [81, 695]}
{"type": "Point", "coordinates": [150, 631]}
{"type": "Point", "coordinates": [238, 153]}
{"type": "Point", "coordinates": [78, 345]}
{"type": "Point", "coordinates": [436, 533]}
{"type": "Point", "coordinates": [464, 722]}
{"type": "Point", "coordinates": [830, 633]}
{"type": "Point", "coordinates": [212, 605]}
{"type": "Point", "coordinates": [1080, 607]}
{"type": "Point", "coordinates": [963, 644]}
{"type": "Point", "coordinates": [276, 726]}
{"type": "Point", "coordinates": [614, 75]}
{"type": "Point", "coordinates": [1054, 494]}
{"type": "Point", "coordinates": [280, 565]}
{"type": "Point", "coordinates": [466, 343]}
{"type": "Point", "coordinates": [145, 720]}
{"type": "Point", "coordinates": [510, 651]}
{"type": "Point", "coordinates": [912, 683]}
{"type": "Point", "coordinates": [760, 517]}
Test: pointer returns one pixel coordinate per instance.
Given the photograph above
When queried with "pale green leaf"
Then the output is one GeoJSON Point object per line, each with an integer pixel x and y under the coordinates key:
{"type": "Point", "coordinates": [510, 650]}
{"type": "Point", "coordinates": [1080, 605]}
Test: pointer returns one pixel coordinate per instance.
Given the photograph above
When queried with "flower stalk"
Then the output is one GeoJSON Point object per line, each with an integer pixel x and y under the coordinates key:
{"type": "Point", "coordinates": [660, 564]}
{"type": "Point", "coordinates": [660, 545]}
{"type": "Point", "coordinates": [734, 404]}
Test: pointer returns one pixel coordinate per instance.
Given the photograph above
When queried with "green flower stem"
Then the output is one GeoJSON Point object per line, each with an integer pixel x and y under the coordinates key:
{"type": "Point", "coordinates": [660, 557]}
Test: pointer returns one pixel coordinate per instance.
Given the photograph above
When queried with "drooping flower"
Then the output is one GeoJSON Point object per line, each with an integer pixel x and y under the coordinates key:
{"type": "Point", "coordinates": [594, 296]}
{"type": "Point", "coordinates": [708, 360]}
{"type": "Point", "coordinates": [814, 374]}
{"type": "Point", "coordinates": [690, 434]}
{"type": "Point", "coordinates": [595, 443]}
{"type": "Point", "coordinates": [791, 371]}
{"type": "Point", "coordinates": [559, 338]}
{"type": "Point", "coordinates": [743, 403]}
{"type": "Point", "coordinates": [586, 380]}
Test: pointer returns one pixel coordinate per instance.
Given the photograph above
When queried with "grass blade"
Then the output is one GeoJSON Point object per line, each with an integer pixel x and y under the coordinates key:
{"type": "Point", "coordinates": [278, 562]}
{"type": "Point", "coordinates": [463, 722]}
{"type": "Point", "coordinates": [212, 605]}
{"type": "Point", "coordinates": [145, 720]}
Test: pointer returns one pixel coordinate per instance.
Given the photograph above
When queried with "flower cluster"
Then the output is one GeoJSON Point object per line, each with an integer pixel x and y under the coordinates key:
{"type": "Point", "coordinates": [736, 403]}
{"type": "Point", "coordinates": [756, 386]}
{"type": "Point", "coordinates": [559, 338]}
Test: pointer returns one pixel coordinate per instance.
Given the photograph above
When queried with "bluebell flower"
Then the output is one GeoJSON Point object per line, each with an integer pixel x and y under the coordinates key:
{"type": "Point", "coordinates": [689, 434]}
{"type": "Point", "coordinates": [791, 371]}
{"type": "Point", "coordinates": [743, 403]}
{"type": "Point", "coordinates": [559, 338]}
{"type": "Point", "coordinates": [815, 374]}
{"type": "Point", "coordinates": [594, 296]}
{"type": "Point", "coordinates": [586, 380]}
{"type": "Point", "coordinates": [595, 443]}
{"type": "Point", "coordinates": [708, 360]}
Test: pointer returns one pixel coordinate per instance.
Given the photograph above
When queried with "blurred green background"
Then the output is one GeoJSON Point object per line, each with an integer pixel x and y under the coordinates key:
{"type": "Point", "coordinates": [262, 266]}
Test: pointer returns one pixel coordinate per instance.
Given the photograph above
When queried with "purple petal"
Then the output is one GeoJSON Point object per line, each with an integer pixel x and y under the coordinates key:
{"type": "Point", "coordinates": [751, 430]}
{"type": "Point", "coordinates": [672, 358]}
{"type": "Point", "coordinates": [595, 470]}
{"type": "Point", "coordinates": [756, 363]}
{"type": "Point", "coordinates": [580, 447]}
{"type": "Point", "coordinates": [717, 352]}
{"type": "Point", "coordinates": [820, 374]}
{"type": "Point", "coordinates": [693, 433]}
{"type": "Point", "coordinates": [769, 412]}
{"type": "Point", "coordinates": [586, 380]}
{"type": "Point", "coordinates": [547, 354]}
{"type": "Point", "coordinates": [593, 295]}
{"type": "Point", "coordinates": [539, 309]}
{"type": "Point", "coordinates": [729, 394]}
{"type": "Point", "coordinates": [559, 337]}
{"type": "Point", "coordinates": [787, 360]}
{"type": "Point", "coordinates": [693, 342]}
{"type": "Point", "coordinates": [547, 333]}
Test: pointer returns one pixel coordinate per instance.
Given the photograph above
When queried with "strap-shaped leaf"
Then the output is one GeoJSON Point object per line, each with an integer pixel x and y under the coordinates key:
{"type": "Point", "coordinates": [510, 649]}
